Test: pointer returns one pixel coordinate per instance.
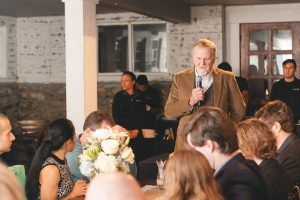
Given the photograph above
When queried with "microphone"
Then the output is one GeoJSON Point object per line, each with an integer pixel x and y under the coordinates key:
{"type": "Point", "coordinates": [198, 81]}
{"type": "Point", "coordinates": [198, 84]}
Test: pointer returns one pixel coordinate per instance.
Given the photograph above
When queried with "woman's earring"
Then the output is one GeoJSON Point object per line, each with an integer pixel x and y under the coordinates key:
{"type": "Point", "coordinates": [68, 149]}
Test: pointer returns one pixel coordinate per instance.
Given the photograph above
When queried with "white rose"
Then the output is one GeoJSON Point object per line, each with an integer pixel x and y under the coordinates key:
{"type": "Point", "coordinates": [106, 163]}
{"type": "Point", "coordinates": [102, 133]}
{"type": "Point", "coordinates": [86, 168]}
{"type": "Point", "coordinates": [128, 155]}
{"type": "Point", "coordinates": [110, 146]}
{"type": "Point", "coordinates": [83, 157]}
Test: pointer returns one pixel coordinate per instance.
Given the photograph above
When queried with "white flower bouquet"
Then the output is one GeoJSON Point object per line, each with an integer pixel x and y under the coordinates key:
{"type": "Point", "coordinates": [105, 152]}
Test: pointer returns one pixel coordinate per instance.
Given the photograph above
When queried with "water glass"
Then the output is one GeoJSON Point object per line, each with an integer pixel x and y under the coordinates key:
{"type": "Point", "coordinates": [160, 174]}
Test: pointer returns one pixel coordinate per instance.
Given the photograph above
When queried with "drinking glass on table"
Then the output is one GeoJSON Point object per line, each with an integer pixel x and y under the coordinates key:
{"type": "Point", "coordinates": [160, 174]}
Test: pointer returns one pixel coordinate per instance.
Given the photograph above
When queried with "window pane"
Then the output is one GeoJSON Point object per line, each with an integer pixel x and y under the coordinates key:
{"type": "Point", "coordinates": [258, 65]}
{"type": "Point", "coordinates": [282, 40]}
{"type": "Point", "coordinates": [150, 48]}
{"type": "Point", "coordinates": [113, 46]}
{"type": "Point", "coordinates": [258, 40]}
{"type": "Point", "coordinates": [277, 61]}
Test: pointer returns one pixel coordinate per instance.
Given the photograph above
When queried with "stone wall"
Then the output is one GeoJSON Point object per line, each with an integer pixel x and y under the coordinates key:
{"type": "Point", "coordinates": [21, 101]}
{"type": "Point", "coordinates": [33, 101]}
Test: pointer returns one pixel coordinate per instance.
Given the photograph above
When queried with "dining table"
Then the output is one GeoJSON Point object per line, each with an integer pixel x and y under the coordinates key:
{"type": "Point", "coordinates": [153, 192]}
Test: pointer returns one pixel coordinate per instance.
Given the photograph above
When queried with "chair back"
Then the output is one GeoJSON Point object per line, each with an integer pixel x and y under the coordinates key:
{"type": "Point", "coordinates": [33, 128]}
{"type": "Point", "coordinates": [19, 171]}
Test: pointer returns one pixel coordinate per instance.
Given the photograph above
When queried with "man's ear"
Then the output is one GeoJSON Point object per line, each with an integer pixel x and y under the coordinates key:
{"type": "Point", "coordinates": [188, 138]}
{"type": "Point", "coordinates": [276, 128]}
{"type": "Point", "coordinates": [211, 145]}
{"type": "Point", "coordinates": [87, 131]}
{"type": "Point", "coordinates": [189, 141]}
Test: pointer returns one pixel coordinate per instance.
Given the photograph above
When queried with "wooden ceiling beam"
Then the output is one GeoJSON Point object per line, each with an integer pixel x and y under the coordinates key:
{"type": "Point", "coordinates": [168, 10]}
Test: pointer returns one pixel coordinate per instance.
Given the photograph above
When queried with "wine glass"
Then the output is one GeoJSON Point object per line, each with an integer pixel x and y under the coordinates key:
{"type": "Point", "coordinates": [160, 174]}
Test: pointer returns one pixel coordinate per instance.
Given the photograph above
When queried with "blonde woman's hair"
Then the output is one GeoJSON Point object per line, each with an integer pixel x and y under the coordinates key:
{"type": "Point", "coordinates": [189, 177]}
{"type": "Point", "coordinates": [10, 188]}
{"type": "Point", "coordinates": [256, 139]}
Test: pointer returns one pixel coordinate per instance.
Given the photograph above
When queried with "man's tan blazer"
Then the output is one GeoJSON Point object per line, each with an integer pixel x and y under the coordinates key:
{"type": "Point", "coordinates": [227, 96]}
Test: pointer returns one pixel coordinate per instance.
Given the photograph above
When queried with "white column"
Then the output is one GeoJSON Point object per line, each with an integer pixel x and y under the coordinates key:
{"type": "Point", "coordinates": [81, 60]}
{"type": "Point", "coordinates": [3, 52]}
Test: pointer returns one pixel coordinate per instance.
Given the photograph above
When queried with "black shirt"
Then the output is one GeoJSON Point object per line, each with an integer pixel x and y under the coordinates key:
{"type": "Point", "coordinates": [289, 158]}
{"type": "Point", "coordinates": [152, 98]}
{"type": "Point", "coordinates": [242, 83]}
{"type": "Point", "coordinates": [277, 180]}
{"type": "Point", "coordinates": [129, 110]}
{"type": "Point", "coordinates": [288, 92]}
{"type": "Point", "coordinates": [241, 179]}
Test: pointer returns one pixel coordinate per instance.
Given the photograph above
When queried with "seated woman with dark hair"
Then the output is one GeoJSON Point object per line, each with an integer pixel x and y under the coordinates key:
{"type": "Point", "coordinates": [257, 143]}
{"type": "Point", "coordinates": [49, 176]}
{"type": "Point", "coordinates": [189, 177]}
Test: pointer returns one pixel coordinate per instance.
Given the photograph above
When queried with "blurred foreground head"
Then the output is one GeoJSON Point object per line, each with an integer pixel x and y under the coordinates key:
{"type": "Point", "coordinates": [189, 176]}
{"type": "Point", "coordinates": [10, 188]}
{"type": "Point", "coordinates": [114, 186]}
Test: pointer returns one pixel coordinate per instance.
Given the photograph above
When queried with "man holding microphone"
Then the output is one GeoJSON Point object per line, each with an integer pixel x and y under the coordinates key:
{"type": "Point", "coordinates": [203, 85]}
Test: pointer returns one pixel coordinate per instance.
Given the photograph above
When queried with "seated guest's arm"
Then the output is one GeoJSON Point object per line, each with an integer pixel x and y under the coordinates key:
{"type": "Point", "coordinates": [239, 191]}
{"type": "Point", "coordinates": [131, 133]}
{"type": "Point", "coordinates": [49, 180]}
{"type": "Point", "coordinates": [244, 185]}
{"type": "Point", "coordinates": [79, 189]}
{"type": "Point", "coordinates": [290, 164]}
{"type": "Point", "coordinates": [49, 186]}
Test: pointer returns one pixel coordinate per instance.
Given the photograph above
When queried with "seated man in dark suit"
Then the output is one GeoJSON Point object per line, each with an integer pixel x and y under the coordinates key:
{"type": "Point", "coordinates": [211, 132]}
{"type": "Point", "coordinates": [279, 117]}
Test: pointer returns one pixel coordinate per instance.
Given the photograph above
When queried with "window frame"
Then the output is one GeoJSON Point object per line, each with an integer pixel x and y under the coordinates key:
{"type": "Point", "coordinates": [246, 52]}
{"type": "Point", "coordinates": [112, 76]}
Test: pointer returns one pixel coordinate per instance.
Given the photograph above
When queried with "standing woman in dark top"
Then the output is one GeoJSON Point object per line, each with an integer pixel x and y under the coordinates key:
{"type": "Point", "coordinates": [257, 143]}
{"type": "Point", "coordinates": [49, 176]}
{"type": "Point", "coordinates": [129, 111]}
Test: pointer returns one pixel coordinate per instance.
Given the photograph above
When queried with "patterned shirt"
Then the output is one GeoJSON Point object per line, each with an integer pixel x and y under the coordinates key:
{"type": "Point", "coordinates": [65, 183]}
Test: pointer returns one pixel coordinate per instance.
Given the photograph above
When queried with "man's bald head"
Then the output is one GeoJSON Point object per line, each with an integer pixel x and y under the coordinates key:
{"type": "Point", "coordinates": [114, 186]}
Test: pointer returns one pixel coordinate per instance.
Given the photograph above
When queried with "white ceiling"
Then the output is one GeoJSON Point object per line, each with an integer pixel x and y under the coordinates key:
{"type": "Point", "coordinates": [169, 10]}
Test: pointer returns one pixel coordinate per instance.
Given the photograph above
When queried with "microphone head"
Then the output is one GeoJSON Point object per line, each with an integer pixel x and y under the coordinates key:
{"type": "Point", "coordinates": [198, 81]}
